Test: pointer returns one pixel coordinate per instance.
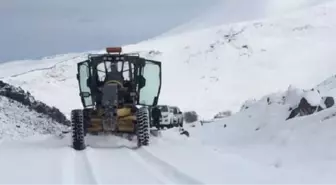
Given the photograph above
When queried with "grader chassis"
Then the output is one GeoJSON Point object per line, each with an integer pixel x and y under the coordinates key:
{"type": "Point", "coordinates": [116, 90]}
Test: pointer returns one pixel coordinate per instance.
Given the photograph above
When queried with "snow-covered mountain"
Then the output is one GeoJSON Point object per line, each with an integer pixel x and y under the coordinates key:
{"type": "Point", "coordinates": [234, 11]}
{"type": "Point", "coordinates": [213, 69]}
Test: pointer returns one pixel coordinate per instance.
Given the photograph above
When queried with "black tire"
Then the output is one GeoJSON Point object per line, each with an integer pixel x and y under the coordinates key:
{"type": "Point", "coordinates": [86, 115]}
{"type": "Point", "coordinates": [143, 127]}
{"type": "Point", "coordinates": [181, 123]}
{"type": "Point", "coordinates": [78, 133]}
{"type": "Point", "coordinates": [171, 124]}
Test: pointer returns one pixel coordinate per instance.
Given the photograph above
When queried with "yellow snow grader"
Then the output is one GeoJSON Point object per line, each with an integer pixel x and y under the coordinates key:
{"type": "Point", "coordinates": [116, 90]}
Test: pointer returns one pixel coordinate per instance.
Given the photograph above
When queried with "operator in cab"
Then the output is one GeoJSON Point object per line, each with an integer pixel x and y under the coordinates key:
{"type": "Point", "coordinates": [114, 74]}
{"type": "Point", "coordinates": [156, 115]}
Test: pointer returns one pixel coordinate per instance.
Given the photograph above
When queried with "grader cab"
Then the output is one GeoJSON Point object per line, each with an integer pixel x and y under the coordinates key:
{"type": "Point", "coordinates": [115, 91]}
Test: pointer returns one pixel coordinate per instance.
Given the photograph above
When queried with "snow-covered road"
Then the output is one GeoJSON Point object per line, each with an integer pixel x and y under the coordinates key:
{"type": "Point", "coordinates": [169, 160]}
{"type": "Point", "coordinates": [52, 160]}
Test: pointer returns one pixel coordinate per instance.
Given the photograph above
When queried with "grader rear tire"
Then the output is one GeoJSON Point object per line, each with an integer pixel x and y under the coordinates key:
{"type": "Point", "coordinates": [143, 127]}
{"type": "Point", "coordinates": [78, 132]}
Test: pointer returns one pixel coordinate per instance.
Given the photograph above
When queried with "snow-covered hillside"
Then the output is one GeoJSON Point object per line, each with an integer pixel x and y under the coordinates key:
{"type": "Point", "coordinates": [22, 116]}
{"type": "Point", "coordinates": [233, 11]}
{"type": "Point", "coordinates": [301, 149]}
{"type": "Point", "coordinates": [210, 70]}
{"type": "Point", "coordinates": [18, 121]}
{"type": "Point", "coordinates": [51, 80]}
{"type": "Point", "coordinates": [218, 68]}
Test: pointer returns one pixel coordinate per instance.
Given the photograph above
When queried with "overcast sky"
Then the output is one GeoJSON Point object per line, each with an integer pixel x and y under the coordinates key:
{"type": "Point", "coordinates": [37, 28]}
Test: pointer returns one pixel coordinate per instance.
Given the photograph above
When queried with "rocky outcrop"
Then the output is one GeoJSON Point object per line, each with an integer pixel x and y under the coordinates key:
{"type": "Point", "coordinates": [310, 103]}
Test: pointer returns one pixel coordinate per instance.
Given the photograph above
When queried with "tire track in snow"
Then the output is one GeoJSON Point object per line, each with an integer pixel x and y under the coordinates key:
{"type": "Point", "coordinates": [119, 165]}
{"type": "Point", "coordinates": [169, 171]}
{"type": "Point", "coordinates": [68, 169]}
{"type": "Point", "coordinates": [160, 176]}
{"type": "Point", "coordinates": [87, 164]}
{"type": "Point", "coordinates": [78, 169]}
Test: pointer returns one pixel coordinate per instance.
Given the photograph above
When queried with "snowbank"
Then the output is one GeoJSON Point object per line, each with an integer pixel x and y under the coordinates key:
{"type": "Point", "coordinates": [25, 98]}
{"type": "Point", "coordinates": [22, 116]}
{"type": "Point", "coordinates": [18, 121]}
{"type": "Point", "coordinates": [301, 149]}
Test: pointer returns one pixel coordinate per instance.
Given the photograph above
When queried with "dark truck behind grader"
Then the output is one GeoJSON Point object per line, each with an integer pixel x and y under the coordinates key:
{"type": "Point", "coordinates": [116, 90]}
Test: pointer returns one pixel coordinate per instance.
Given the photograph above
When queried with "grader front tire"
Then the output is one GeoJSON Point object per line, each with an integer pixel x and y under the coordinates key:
{"type": "Point", "coordinates": [78, 132]}
{"type": "Point", "coordinates": [143, 127]}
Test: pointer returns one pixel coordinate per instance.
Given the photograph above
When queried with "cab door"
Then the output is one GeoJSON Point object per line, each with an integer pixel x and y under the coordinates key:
{"type": "Point", "coordinates": [82, 77]}
{"type": "Point", "coordinates": [150, 92]}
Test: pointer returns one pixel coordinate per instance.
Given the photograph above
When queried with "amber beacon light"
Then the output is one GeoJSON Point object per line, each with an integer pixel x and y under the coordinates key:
{"type": "Point", "coordinates": [113, 50]}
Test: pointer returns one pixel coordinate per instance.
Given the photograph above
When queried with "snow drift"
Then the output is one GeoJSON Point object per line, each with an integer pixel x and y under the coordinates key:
{"type": "Point", "coordinates": [300, 150]}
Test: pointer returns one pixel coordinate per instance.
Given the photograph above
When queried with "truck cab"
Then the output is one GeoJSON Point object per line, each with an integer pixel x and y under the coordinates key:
{"type": "Point", "coordinates": [171, 116]}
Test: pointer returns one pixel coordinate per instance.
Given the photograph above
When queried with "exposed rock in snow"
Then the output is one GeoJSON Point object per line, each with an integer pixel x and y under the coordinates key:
{"type": "Point", "coordinates": [18, 121]}
{"type": "Point", "coordinates": [223, 114]}
{"type": "Point", "coordinates": [328, 101]}
{"type": "Point", "coordinates": [311, 101]}
{"type": "Point", "coordinates": [299, 102]}
{"type": "Point", "coordinates": [304, 108]}
{"type": "Point", "coordinates": [247, 104]}
{"type": "Point", "coordinates": [21, 115]}
{"type": "Point", "coordinates": [27, 99]}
